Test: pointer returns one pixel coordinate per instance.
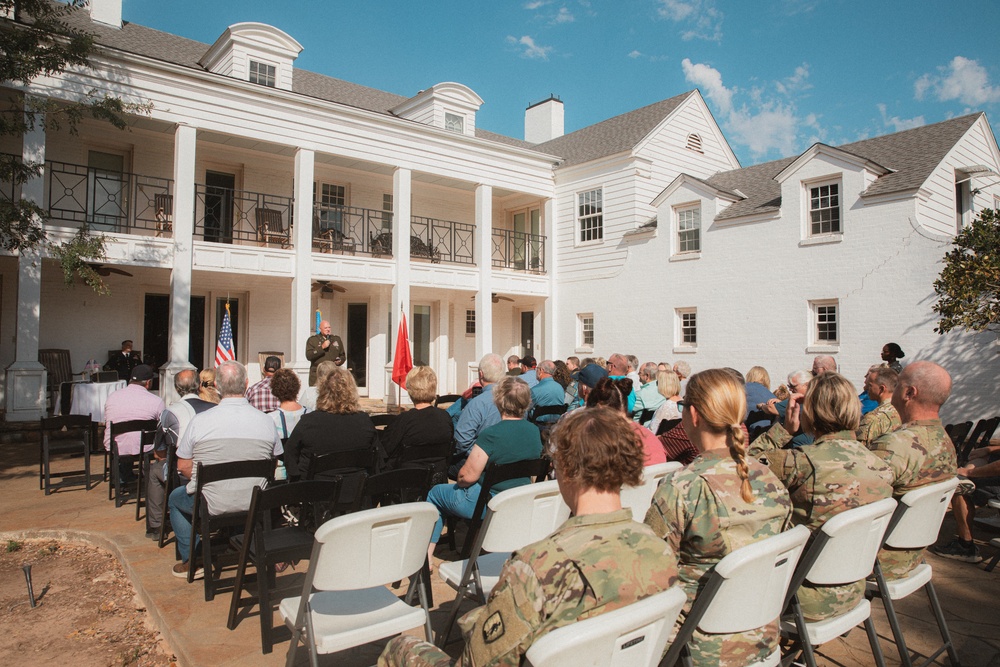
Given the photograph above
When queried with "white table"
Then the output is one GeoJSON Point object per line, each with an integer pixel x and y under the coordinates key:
{"type": "Point", "coordinates": [89, 398]}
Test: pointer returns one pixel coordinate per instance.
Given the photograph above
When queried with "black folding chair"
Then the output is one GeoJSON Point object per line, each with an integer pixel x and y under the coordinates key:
{"type": "Point", "coordinates": [980, 437]}
{"type": "Point", "coordinates": [112, 457]}
{"type": "Point", "coordinates": [268, 539]}
{"type": "Point", "coordinates": [446, 400]}
{"type": "Point", "coordinates": [666, 425]}
{"type": "Point", "coordinates": [547, 411]}
{"type": "Point", "coordinates": [354, 465]}
{"type": "Point", "coordinates": [646, 415]}
{"type": "Point", "coordinates": [437, 456]}
{"type": "Point", "coordinates": [145, 460]}
{"type": "Point", "coordinates": [383, 422]}
{"type": "Point", "coordinates": [64, 435]}
{"type": "Point", "coordinates": [205, 523]}
{"type": "Point", "coordinates": [171, 481]}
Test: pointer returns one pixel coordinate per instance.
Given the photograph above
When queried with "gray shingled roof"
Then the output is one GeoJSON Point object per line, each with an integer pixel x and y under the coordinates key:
{"type": "Point", "coordinates": [911, 154]}
{"type": "Point", "coordinates": [611, 136]}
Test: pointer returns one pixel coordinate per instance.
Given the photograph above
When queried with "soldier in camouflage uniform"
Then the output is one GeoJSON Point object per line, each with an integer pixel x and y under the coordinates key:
{"type": "Point", "coordinates": [598, 561]}
{"type": "Point", "coordinates": [880, 382]}
{"type": "Point", "coordinates": [719, 503]}
{"type": "Point", "coordinates": [919, 452]}
{"type": "Point", "coordinates": [833, 474]}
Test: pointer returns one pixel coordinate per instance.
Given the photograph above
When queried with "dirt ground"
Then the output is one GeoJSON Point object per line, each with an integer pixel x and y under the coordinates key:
{"type": "Point", "coordinates": [86, 614]}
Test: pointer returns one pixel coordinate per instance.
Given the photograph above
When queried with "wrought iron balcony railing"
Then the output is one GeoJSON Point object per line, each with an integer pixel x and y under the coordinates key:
{"type": "Point", "coordinates": [226, 215]}
{"type": "Point", "coordinates": [518, 250]}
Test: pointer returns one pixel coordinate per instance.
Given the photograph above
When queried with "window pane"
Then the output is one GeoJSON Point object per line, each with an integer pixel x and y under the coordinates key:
{"type": "Point", "coordinates": [591, 215]}
{"type": "Point", "coordinates": [826, 323]}
{"type": "Point", "coordinates": [824, 209]}
{"type": "Point", "coordinates": [689, 230]}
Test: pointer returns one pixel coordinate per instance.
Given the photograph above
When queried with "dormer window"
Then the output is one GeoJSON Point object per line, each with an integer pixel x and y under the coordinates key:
{"type": "Point", "coordinates": [824, 209]}
{"type": "Point", "coordinates": [262, 73]}
{"type": "Point", "coordinates": [454, 122]}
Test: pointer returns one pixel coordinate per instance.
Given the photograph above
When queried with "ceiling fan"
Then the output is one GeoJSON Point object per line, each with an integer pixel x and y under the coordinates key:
{"type": "Point", "coordinates": [327, 287]}
{"type": "Point", "coordinates": [497, 298]}
{"type": "Point", "coordinates": [104, 270]}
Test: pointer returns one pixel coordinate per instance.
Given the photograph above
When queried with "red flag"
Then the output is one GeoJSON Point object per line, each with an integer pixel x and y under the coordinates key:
{"type": "Point", "coordinates": [402, 362]}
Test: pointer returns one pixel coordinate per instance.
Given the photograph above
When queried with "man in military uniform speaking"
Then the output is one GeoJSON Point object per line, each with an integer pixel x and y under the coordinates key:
{"type": "Point", "coordinates": [323, 347]}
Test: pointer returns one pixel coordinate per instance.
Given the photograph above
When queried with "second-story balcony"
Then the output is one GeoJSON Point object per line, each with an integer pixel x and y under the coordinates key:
{"type": "Point", "coordinates": [107, 201]}
{"type": "Point", "coordinates": [518, 250]}
{"type": "Point", "coordinates": [227, 215]}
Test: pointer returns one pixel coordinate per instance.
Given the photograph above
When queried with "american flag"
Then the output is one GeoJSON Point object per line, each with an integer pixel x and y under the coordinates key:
{"type": "Point", "coordinates": [224, 350]}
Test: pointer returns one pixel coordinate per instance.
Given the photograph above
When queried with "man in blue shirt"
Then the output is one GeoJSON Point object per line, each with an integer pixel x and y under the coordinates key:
{"type": "Point", "coordinates": [479, 413]}
{"type": "Point", "coordinates": [547, 392]}
{"type": "Point", "coordinates": [528, 372]}
{"type": "Point", "coordinates": [647, 396]}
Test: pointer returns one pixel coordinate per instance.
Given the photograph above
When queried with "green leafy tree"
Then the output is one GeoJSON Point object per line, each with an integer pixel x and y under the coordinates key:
{"type": "Point", "coordinates": [968, 288]}
{"type": "Point", "coordinates": [36, 40]}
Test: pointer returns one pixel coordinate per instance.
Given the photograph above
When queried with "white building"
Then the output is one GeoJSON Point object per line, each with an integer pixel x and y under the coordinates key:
{"type": "Point", "coordinates": [283, 191]}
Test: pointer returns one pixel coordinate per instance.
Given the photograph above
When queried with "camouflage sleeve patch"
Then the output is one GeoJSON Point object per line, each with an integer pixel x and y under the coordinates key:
{"type": "Point", "coordinates": [502, 630]}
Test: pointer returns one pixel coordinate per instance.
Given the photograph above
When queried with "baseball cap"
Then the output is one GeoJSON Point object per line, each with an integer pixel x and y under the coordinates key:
{"type": "Point", "coordinates": [527, 360]}
{"type": "Point", "coordinates": [142, 373]}
{"type": "Point", "coordinates": [272, 363]}
{"type": "Point", "coordinates": [591, 374]}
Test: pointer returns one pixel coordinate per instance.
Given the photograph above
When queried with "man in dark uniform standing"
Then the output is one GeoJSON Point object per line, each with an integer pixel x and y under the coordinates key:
{"type": "Point", "coordinates": [324, 347]}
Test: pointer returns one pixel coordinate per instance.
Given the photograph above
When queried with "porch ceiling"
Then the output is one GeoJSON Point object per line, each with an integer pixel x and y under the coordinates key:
{"type": "Point", "coordinates": [245, 143]}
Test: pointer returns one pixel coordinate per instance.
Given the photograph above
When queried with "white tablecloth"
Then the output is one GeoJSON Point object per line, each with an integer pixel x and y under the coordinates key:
{"type": "Point", "coordinates": [89, 398]}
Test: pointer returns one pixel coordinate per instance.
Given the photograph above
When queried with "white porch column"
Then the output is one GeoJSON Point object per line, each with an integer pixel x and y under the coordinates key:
{"type": "Point", "coordinates": [401, 192]}
{"type": "Point", "coordinates": [483, 255]}
{"type": "Point", "coordinates": [549, 323]}
{"type": "Point", "coordinates": [443, 347]}
{"type": "Point", "coordinates": [26, 378]}
{"type": "Point", "coordinates": [377, 358]}
{"type": "Point", "coordinates": [185, 145]}
{"type": "Point", "coordinates": [303, 319]}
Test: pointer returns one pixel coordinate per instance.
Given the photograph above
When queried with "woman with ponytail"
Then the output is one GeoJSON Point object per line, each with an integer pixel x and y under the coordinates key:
{"type": "Point", "coordinates": [720, 502]}
{"type": "Point", "coordinates": [833, 474]}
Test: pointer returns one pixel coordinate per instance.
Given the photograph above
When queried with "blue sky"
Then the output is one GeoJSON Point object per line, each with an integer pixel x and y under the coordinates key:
{"type": "Point", "coordinates": [778, 75]}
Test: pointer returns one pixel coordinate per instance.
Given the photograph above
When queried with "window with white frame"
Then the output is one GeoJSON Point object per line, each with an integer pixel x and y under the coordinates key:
{"type": "Point", "coordinates": [826, 322]}
{"type": "Point", "coordinates": [687, 327]}
{"type": "Point", "coordinates": [386, 211]}
{"type": "Point", "coordinates": [470, 322]}
{"type": "Point", "coordinates": [688, 229]}
{"type": "Point", "coordinates": [824, 209]}
{"type": "Point", "coordinates": [590, 215]}
{"type": "Point", "coordinates": [454, 122]}
{"type": "Point", "coordinates": [262, 73]}
{"type": "Point", "coordinates": [585, 326]}
{"type": "Point", "coordinates": [330, 202]}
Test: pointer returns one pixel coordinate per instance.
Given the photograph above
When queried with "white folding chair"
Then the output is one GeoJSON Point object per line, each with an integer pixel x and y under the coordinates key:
{"type": "Point", "coordinates": [916, 525]}
{"type": "Point", "coordinates": [514, 518]}
{"type": "Point", "coordinates": [631, 636]}
{"type": "Point", "coordinates": [746, 590]}
{"type": "Point", "coordinates": [353, 559]}
{"type": "Point", "coordinates": [843, 551]}
{"type": "Point", "coordinates": [639, 498]}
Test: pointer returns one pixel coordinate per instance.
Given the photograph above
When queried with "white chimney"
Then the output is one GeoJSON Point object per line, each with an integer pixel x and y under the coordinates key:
{"type": "Point", "coordinates": [108, 12]}
{"type": "Point", "coordinates": [543, 120]}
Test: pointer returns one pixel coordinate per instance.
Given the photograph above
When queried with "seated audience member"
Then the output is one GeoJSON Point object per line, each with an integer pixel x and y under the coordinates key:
{"type": "Point", "coordinates": [421, 426]}
{"type": "Point", "coordinates": [259, 395]}
{"type": "Point", "coordinates": [528, 372]}
{"type": "Point", "coordinates": [919, 452]}
{"type": "Point", "coordinates": [573, 364]}
{"type": "Point", "coordinates": [611, 394]}
{"type": "Point", "coordinates": [310, 394]}
{"type": "Point", "coordinates": [514, 365]}
{"type": "Point", "coordinates": [123, 362]}
{"type": "Point", "coordinates": [565, 577]}
{"type": "Point", "coordinates": [669, 386]}
{"type": "Point", "coordinates": [587, 379]}
{"type": "Point", "coordinates": [702, 525]}
{"type": "Point", "coordinates": [285, 386]}
{"type": "Point", "coordinates": [547, 392]}
{"type": "Point", "coordinates": [337, 425]}
{"type": "Point", "coordinates": [479, 413]}
{"type": "Point", "coordinates": [980, 484]}
{"type": "Point", "coordinates": [618, 368]}
{"type": "Point", "coordinates": [512, 439]}
{"type": "Point", "coordinates": [798, 382]}
{"type": "Point", "coordinates": [683, 370]}
{"type": "Point", "coordinates": [173, 424]}
{"type": "Point", "coordinates": [758, 391]}
{"type": "Point", "coordinates": [632, 362]}
{"type": "Point", "coordinates": [565, 379]}
{"type": "Point", "coordinates": [891, 354]}
{"type": "Point", "coordinates": [133, 401]}
{"type": "Point", "coordinates": [880, 382]}
{"type": "Point", "coordinates": [648, 396]}
{"type": "Point", "coordinates": [231, 431]}
{"type": "Point", "coordinates": [832, 474]}
{"type": "Point", "coordinates": [208, 391]}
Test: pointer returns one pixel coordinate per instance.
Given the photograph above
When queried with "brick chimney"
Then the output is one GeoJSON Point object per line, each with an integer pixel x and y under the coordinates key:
{"type": "Point", "coordinates": [543, 120]}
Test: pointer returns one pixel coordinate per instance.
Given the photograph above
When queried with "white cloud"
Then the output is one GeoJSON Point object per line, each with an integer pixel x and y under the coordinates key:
{"type": "Point", "coordinates": [899, 124]}
{"type": "Point", "coordinates": [962, 79]}
{"type": "Point", "coordinates": [702, 20]}
{"type": "Point", "coordinates": [535, 4]}
{"type": "Point", "coordinates": [764, 124]}
{"type": "Point", "coordinates": [635, 54]}
{"type": "Point", "coordinates": [564, 16]}
{"type": "Point", "coordinates": [530, 50]}
{"type": "Point", "coordinates": [709, 80]}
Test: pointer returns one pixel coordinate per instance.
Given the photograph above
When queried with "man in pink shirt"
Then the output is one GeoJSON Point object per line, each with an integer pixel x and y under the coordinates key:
{"type": "Point", "coordinates": [131, 402]}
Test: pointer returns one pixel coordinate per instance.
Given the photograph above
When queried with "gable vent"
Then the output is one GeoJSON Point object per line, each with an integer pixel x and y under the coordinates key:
{"type": "Point", "coordinates": [694, 143]}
